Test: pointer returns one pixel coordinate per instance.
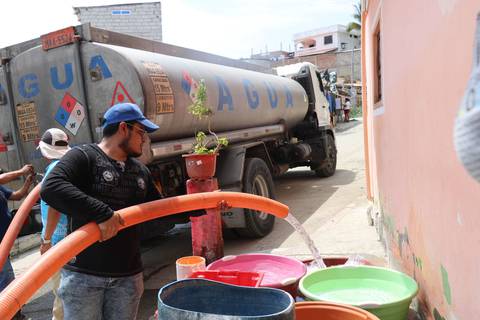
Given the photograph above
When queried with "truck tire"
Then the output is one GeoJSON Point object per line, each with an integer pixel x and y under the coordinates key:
{"type": "Point", "coordinates": [329, 165]}
{"type": "Point", "coordinates": [257, 179]}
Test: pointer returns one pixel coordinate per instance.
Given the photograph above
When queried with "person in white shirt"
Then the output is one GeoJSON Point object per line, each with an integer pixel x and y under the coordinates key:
{"type": "Point", "coordinates": [346, 109]}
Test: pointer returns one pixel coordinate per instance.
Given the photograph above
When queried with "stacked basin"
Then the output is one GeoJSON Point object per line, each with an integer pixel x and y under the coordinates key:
{"type": "Point", "coordinates": [338, 292]}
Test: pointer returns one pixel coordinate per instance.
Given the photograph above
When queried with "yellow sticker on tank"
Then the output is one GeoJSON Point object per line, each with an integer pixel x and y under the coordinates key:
{"type": "Point", "coordinates": [162, 89]}
{"type": "Point", "coordinates": [27, 121]}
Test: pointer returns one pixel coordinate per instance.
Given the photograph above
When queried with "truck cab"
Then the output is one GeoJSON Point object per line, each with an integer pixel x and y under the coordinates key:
{"type": "Point", "coordinates": [309, 77]}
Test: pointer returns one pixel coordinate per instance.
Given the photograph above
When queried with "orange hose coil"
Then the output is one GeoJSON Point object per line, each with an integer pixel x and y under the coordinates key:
{"type": "Point", "coordinates": [20, 290]}
{"type": "Point", "coordinates": [17, 223]}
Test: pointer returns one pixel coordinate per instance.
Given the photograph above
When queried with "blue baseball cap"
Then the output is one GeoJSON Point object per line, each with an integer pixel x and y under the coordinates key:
{"type": "Point", "coordinates": [127, 112]}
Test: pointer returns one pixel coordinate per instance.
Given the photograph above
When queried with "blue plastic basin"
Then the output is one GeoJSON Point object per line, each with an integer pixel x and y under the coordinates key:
{"type": "Point", "coordinates": [205, 299]}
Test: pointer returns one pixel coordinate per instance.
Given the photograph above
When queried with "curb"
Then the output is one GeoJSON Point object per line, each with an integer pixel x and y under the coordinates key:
{"type": "Point", "coordinates": [25, 243]}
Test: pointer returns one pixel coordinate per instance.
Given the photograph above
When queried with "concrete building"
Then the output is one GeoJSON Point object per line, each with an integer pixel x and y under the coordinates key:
{"type": "Point", "coordinates": [137, 19]}
{"type": "Point", "coordinates": [332, 38]}
{"type": "Point", "coordinates": [416, 73]}
{"type": "Point", "coordinates": [331, 48]}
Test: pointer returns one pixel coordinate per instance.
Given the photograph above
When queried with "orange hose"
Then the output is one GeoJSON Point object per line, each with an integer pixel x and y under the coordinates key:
{"type": "Point", "coordinates": [20, 290]}
{"type": "Point", "coordinates": [17, 223]}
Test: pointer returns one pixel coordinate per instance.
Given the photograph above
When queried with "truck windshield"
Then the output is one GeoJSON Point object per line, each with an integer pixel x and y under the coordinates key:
{"type": "Point", "coordinates": [319, 77]}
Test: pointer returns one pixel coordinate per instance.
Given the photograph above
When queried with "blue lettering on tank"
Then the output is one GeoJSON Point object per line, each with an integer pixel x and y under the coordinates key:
{"type": "Point", "coordinates": [28, 86]}
{"type": "Point", "coordinates": [288, 98]}
{"type": "Point", "coordinates": [97, 61]}
{"type": "Point", "coordinates": [272, 95]}
{"type": "Point", "coordinates": [68, 77]}
{"type": "Point", "coordinates": [224, 95]}
{"type": "Point", "coordinates": [251, 93]}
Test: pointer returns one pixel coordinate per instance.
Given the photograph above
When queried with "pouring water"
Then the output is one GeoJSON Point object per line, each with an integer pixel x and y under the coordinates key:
{"type": "Point", "coordinates": [317, 259]}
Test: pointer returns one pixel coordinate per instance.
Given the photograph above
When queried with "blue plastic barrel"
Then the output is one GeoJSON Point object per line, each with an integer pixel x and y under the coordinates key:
{"type": "Point", "coordinates": [197, 299]}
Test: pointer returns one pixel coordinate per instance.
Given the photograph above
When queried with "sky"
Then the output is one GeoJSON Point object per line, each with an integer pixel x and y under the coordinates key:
{"type": "Point", "coordinates": [231, 28]}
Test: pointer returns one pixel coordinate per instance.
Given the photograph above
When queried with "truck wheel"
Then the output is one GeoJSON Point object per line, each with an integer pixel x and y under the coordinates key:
{"type": "Point", "coordinates": [257, 179]}
{"type": "Point", "coordinates": [329, 165]}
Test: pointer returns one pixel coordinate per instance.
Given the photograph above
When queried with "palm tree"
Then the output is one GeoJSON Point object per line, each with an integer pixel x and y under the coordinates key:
{"type": "Point", "coordinates": [357, 16]}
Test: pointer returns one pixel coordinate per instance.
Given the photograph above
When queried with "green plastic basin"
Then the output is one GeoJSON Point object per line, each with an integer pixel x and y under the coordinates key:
{"type": "Point", "coordinates": [384, 292]}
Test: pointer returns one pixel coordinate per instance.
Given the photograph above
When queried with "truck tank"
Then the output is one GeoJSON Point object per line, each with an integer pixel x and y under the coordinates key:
{"type": "Point", "coordinates": [164, 86]}
{"type": "Point", "coordinates": [70, 87]}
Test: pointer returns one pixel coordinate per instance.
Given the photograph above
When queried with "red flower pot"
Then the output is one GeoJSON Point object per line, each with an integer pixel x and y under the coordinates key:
{"type": "Point", "coordinates": [200, 166]}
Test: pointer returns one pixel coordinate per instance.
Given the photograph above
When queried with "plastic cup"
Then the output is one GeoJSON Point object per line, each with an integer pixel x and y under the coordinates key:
{"type": "Point", "coordinates": [188, 265]}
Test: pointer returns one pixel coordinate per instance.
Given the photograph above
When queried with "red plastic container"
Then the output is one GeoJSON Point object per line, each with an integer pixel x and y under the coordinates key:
{"type": "Point", "coordinates": [280, 272]}
{"type": "Point", "coordinates": [239, 278]}
{"type": "Point", "coordinates": [200, 166]}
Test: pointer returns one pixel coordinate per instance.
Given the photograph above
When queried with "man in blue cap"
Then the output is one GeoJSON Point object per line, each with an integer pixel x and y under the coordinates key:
{"type": "Point", "coordinates": [91, 183]}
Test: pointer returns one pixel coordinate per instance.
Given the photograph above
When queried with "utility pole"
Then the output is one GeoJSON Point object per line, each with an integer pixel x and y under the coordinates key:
{"type": "Point", "coordinates": [353, 91]}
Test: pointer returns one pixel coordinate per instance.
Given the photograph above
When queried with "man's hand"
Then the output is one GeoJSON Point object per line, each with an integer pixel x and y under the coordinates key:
{"type": "Point", "coordinates": [29, 180]}
{"type": "Point", "coordinates": [44, 247]}
{"type": "Point", "coordinates": [27, 169]}
{"type": "Point", "coordinates": [109, 228]}
{"type": "Point", "coordinates": [22, 192]}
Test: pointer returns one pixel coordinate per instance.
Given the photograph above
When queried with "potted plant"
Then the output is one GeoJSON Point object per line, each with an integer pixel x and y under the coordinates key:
{"type": "Point", "coordinates": [202, 161]}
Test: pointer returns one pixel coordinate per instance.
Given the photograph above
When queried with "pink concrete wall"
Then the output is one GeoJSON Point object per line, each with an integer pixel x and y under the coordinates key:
{"type": "Point", "coordinates": [430, 204]}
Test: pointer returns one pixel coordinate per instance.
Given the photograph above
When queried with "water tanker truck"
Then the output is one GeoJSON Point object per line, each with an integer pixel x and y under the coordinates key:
{"type": "Point", "coordinates": [67, 79]}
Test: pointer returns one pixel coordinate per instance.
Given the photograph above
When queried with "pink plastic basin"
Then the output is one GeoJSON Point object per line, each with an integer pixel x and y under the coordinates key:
{"type": "Point", "coordinates": [279, 271]}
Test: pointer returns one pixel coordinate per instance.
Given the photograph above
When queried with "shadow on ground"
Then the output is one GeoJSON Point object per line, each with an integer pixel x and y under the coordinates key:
{"type": "Point", "coordinates": [40, 308]}
{"type": "Point", "coordinates": [344, 126]}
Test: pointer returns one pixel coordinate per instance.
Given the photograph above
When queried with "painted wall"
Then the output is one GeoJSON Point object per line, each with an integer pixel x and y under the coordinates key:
{"type": "Point", "coordinates": [137, 19]}
{"type": "Point", "coordinates": [429, 204]}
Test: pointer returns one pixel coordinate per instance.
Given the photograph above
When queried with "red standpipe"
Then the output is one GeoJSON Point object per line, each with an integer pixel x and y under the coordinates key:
{"type": "Point", "coordinates": [207, 239]}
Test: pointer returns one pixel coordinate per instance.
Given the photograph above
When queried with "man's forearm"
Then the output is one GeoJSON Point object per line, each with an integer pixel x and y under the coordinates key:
{"type": "Point", "coordinates": [10, 176]}
{"type": "Point", "coordinates": [68, 199]}
{"type": "Point", "coordinates": [62, 189]}
{"type": "Point", "coordinates": [20, 193]}
{"type": "Point", "coordinates": [52, 220]}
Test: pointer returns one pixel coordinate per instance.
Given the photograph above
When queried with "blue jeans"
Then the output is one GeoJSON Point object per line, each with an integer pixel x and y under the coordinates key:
{"type": "Point", "coordinates": [88, 297]}
{"type": "Point", "coordinates": [6, 275]}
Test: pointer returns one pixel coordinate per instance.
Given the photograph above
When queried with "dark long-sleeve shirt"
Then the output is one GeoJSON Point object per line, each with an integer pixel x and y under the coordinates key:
{"type": "Point", "coordinates": [5, 217]}
{"type": "Point", "coordinates": [87, 185]}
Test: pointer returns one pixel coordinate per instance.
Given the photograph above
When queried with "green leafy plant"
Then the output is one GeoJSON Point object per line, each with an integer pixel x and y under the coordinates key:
{"type": "Point", "coordinates": [200, 110]}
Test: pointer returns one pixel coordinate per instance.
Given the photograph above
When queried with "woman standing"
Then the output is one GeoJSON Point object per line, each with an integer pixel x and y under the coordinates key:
{"type": "Point", "coordinates": [346, 109]}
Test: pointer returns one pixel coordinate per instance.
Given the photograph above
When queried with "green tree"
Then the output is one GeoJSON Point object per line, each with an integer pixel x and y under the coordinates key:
{"type": "Point", "coordinates": [357, 16]}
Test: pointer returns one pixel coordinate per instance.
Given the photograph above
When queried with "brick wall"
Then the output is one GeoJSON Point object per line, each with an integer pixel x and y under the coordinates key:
{"type": "Point", "coordinates": [344, 65]}
{"type": "Point", "coordinates": [140, 19]}
{"type": "Point", "coordinates": [341, 62]}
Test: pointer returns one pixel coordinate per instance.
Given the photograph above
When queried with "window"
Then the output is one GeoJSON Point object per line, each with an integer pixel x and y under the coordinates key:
{"type": "Point", "coordinates": [309, 43]}
{"type": "Point", "coordinates": [120, 12]}
{"type": "Point", "coordinates": [377, 65]}
{"type": "Point", "coordinates": [319, 77]}
{"type": "Point", "coordinates": [327, 39]}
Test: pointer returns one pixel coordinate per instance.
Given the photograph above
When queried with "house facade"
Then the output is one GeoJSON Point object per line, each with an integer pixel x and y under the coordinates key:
{"type": "Point", "coordinates": [331, 38]}
{"type": "Point", "coordinates": [415, 69]}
